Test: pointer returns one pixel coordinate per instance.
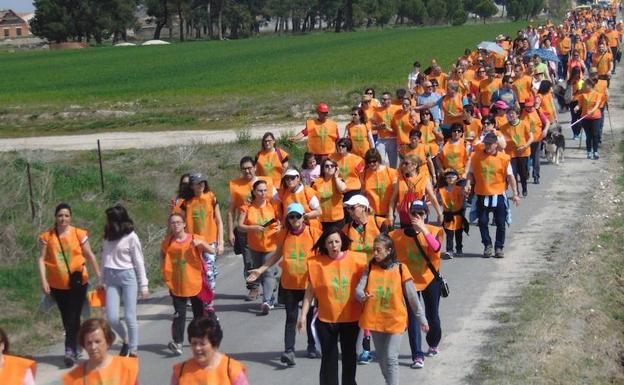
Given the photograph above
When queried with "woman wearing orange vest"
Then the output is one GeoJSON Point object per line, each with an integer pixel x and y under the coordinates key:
{"type": "Point", "coordinates": [63, 274]}
{"type": "Point", "coordinates": [519, 138]}
{"type": "Point", "coordinates": [376, 182]}
{"type": "Point", "coordinates": [333, 273]}
{"type": "Point", "coordinates": [413, 245]}
{"type": "Point", "coordinates": [203, 218]}
{"type": "Point", "coordinates": [350, 166]}
{"type": "Point", "coordinates": [14, 370]}
{"type": "Point", "coordinates": [294, 250]}
{"type": "Point", "coordinates": [454, 153]}
{"type": "Point", "coordinates": [411, 185]}
{"type": "Point", "coordinates": [292, 190]}
{"type": "Point", "coordinates": [96, 337]}
{"type": "Point", "coordinates": [208, 365]}
{"type": "Point", "coordinates": [589, 106]}
{"type": "Point", "coordinates": [176, 204]}
{"type": "Point", "coordinates": [452, 199]}
{"type": "Point", "coordinates": [422, 151]}
{"type": "Point", "coordinates": [359, 131]}
{"type": "Point", "coordinates": [182, 268]}
{"type": "Point", "coordinates": [384, 288]}
{"type": "Point", "coordinates": [271, 161]}
{"type": "Point", "coordinates": [330, 188]}
{"type": "Point", "coordinates": [260, 220]}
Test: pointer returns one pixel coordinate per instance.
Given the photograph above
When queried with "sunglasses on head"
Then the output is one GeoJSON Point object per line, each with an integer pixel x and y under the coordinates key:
{"type": "Point", "coordinates": [294, 216]}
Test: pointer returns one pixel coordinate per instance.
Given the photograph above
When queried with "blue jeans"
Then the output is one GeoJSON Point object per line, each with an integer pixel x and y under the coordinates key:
{"type": "Point", "coordinates": [122, 284]}
{"type": "Point", "coordinates": [387, 148]}
{"type": "Point", "coordinates": [500, 215]}
{"type": "Point", "coordinates": [431, 299]}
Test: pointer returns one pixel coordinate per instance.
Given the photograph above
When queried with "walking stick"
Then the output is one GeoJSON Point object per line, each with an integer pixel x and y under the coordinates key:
{"type": "Point", "coordinates": [610, 124]}
{"type": "Point", "coordinates": [580, 132]}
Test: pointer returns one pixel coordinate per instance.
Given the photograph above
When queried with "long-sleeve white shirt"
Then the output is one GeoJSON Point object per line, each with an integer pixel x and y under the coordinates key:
{"type": "Point", "coordinates": [125, 253]}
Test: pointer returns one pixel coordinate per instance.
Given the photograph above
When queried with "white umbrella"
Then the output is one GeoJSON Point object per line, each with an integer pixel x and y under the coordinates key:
{"type": "Point", "coordinates": [155, 42]}
{"type": "Point", "coordinates": [492, 47]}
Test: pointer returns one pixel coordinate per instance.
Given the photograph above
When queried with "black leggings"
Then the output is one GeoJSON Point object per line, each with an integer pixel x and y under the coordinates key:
{"type": "Point", "coordinates": [329, 334]}
{"type": "Point", "coordinates": [70, 305]}
{"type": "Point", "coordinates": [520, 167]}
{"type": "Point", "coordinates": [592, 134]}
{"type": "Point", "coordinates": [449, 239]}
{"type": "Point", "coordinates": [179, 317]}
{"type": "Point", "coordinates": [291, 298]}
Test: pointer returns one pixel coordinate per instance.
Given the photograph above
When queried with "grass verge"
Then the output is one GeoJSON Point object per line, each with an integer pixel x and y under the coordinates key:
{"type": "Point", "coordinates": [142, 180]}
{"type": "Point", "coordinates": [566, 326]}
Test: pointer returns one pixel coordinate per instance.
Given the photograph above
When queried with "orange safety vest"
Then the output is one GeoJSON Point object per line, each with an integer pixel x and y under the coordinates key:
{"type": "Point", "coordinates": [490, 172]}
{"type": "Point", "coordinates": [587, 101]}
{"type": "Point", "coordinates": [358, 133]}
{"type": "Point", "coordinates": [297, 249]}
{"type": "Point", "coordinates": [547, 106]}
{"type": "Point", "coordinates": [331, 199]}
{"type": "Point", "coordinates": [409, 254]}
{"type": "Point", "coordinates": [487, 87]}
{"type": "Point", "coordinates": [14, 370]}
{"type": "Point", "coordinates": [385, 114]}
{"type": "Point", "coordinates": [334, 282]}
{"type": "Point", "coordinates": [454, 155]}
{"type": "Point", "coordinates": [475, 127]}
{"type": "Point", "coordinates": [200, 216]}
{"type": "Point", "coordinates": [322, 136]}
{"type": "Point", "coordinates": [523, 86]}
{"type": "Point", "coordinates": [378, 188]}
{"type": "Point", "coordinates": [302, 197]}
{"type": "Point", "coordinates": [452, 201]}
{"type": "Point", "coordinates": [55, 268]}
{"type": "Point", "coordinates": [120, 371]}
{"type": "Point", "coordinates": [429, 138]}
{"type": "Point", "coordinates": [386, 311]}
{"type": "Point", "coordinates": [416, 183]}
{"type": "Point", "coordinates": [350, 167]}
{"type": "Point", "coordinates": [535, 124]}
{"type": "Point", "coordinates": [402, 125]}
{"type": "Point", "coordinates": [500, 120]}
{"type": "Point", "coordinates": [182, 266]}
{"type": "Point", "coordinates": [261, 215]}
{"type": "Point", "coordinates": [271, 164]}
{"type": "Point", "coordinates": [452, 105]}
{"type": "Point", "coordinates": [240, 190]}
{"type": "Point", "coordinates": [602, 62]}
{"type": "Point", "coordinates": [226, 373]}
{"type": "Point", "coordinates": [362, 242]}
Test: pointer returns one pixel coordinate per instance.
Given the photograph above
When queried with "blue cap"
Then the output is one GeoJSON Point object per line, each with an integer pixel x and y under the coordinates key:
{"type": "Point", "coordinates": [295, 208]}
{"type": "Point", "coordinates": [418, 205]}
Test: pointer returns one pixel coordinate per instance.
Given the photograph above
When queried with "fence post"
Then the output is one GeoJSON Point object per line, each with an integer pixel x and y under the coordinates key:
{"type": "Point", "coordinates": [30, 190]}
{"type": "Point", "coordinates": [101, 169]}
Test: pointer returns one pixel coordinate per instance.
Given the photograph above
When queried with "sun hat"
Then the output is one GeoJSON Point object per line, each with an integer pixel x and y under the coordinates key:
{"type": "Point", "coordinates": [291, 172]}
{"type": "Point", "coordinates": [357, 200]}
{"type": "Point", "coordinates": [295, 208]}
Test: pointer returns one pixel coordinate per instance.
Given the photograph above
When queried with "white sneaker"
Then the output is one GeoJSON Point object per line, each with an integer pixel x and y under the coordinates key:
{"type": "Point", "coordinates": [175, 348]}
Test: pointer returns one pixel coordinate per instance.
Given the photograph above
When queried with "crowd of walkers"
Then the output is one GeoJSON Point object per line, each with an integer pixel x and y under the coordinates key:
{"type": "Point", "coordinates": [357, 234]}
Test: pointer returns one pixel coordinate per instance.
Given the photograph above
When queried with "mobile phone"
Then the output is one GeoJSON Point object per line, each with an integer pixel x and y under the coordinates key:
{"type": "Point", "coordinates": [269, 223]}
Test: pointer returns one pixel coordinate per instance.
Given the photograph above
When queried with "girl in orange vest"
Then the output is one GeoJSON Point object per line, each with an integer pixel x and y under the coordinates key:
{"type": "Point", "coordinates": [96, 337]}
{"type": "Point", "coordinates": [293, 190]}
{"type": "Point", "coordinates": [203, 218]}
{"type": "Point", "coordinates": [176, 205]}
{"type": "Point", "coordinates": [452, 199]}
{"type": "Point", "coordinates": [410, 253]}
{"type": "Point", "coordinates": [14, 370]}
{"type": "Point", "coordinates": [384, 288]}
{"type": "Point", "coordinates": [64, 252]}
{"type": "Point", "coordinates": [423, 152]}
{"type": "Point", "coordinates": [271, 161]}
{"type": "Point", "coordinates": [260, 220]}
{"type": "Point", "coordinates": [333, 273]}
{"type": "Point", "coordinates": [294, 250]}
{"type": "Point", "coordinates": [208, 365]}
{"type": "Point", "coordinates": [454, 153]}
{"type": "Point", "coordinates": [376, 183]}
{"type": "Point", "coordinates": [182, 269]}
{"type": "Point", "coordinates": [330, 188]}
{"type": "Point", "coordinates": [359, 131]}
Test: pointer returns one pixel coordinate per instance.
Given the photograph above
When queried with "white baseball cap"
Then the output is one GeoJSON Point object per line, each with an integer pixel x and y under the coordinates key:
{"type": "Point", "coordinates": [357, 200]}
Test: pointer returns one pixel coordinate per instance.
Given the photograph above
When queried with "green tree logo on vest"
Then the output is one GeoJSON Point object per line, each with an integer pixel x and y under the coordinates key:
{"type": "Point", "coordinates": [341, 289]}
{"type": "Point", "coordinates": [450, 106]}
{"type": "Point", "coordinates": [358, 138]}
{"type": "Point", "coordinates": [262, 221]}
{"type": "Point", "coordinates": [323, 134]}
{"type": "Point", "coordinates": [451, 205]}
{"type": "Point", "coordinates": [517, 139]}
{"type": "Point", "coordinates": [488, 170]}
{"type": "Point", "coordinates": [533, 127]}
{"type": "Point", "coordinates": [199, 219]}
{"type": "Point", "coordinates": [401, 124]}
{"type": "Point", "coordinates": [344, 170]}
{"type": "Point", "coordinates": [388, 120]}
{"type": "Point", "coordinates": [363, 244]}
{"type": "Point", "coordinates": [382, 298]}
{"type": "Point", "coordinates": [427, 136]}
{"type": "Point", "coordinates": [60, 261]}
{"type": "Point", "coordinates": [414, 259]}
{"type": "Point", "coordinates": [380, 187]}
{"type": "Point", "coordinates": [519, 87]}
{"type": "Point", "coordinates": [452, 159]}
{"type": "Point", "coordinates": [326, 195]}
{"type": "Point", "coordinates": [268, 167]}
{"type": "Point", "coordinates": [297, 260]}
{"type": "Point", "coordinates": [179, 262]}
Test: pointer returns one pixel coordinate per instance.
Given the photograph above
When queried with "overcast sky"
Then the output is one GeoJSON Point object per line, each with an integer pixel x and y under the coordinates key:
{"type": "Point", "coordinates": [17, 5]}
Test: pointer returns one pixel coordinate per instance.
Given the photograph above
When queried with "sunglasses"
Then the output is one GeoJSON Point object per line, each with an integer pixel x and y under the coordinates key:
{"type": "Point", "coordinates": [355, 115]}
{"type": "Point", "coordinates": [369, 92]}
{"type": "Point", "coordinates": [290, 177]}
{"type": "Point", "coordinates": [341, 145]}
{"type": "Point", "coordinates": [460, 131]}
{"type": "Point", "coordinates": [417, 213]}
{"type": "Point", "coordinates": [294, 216]}
{"type": "Point", "coordinates": [371, 161]}
{"type": "Point", "coordinates": [488, 122]}
{"type": "Point", "coordinates": [329, 166]}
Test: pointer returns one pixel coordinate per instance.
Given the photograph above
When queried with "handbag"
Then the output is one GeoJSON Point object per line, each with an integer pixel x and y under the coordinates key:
{"type": "Point", "coordinates": [75, 278]}
{"type": "Point", "coordinates": [444, 287]}
{"type": "Point", "coordinates": [206, 294]}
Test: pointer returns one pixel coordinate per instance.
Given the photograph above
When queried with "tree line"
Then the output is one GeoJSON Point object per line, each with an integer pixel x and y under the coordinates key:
{"type": "Point", "coordinates": [87, 20]}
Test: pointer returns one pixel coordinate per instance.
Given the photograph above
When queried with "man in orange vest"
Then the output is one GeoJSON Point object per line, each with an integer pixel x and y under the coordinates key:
{"type": "Point", "coordinates": [322, 134]}
{"type": "Point", "coordinates": [490, 173]}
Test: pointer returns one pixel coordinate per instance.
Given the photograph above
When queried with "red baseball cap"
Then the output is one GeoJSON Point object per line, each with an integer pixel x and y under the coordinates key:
{"type": "Point", "coordinates": [322, 107]}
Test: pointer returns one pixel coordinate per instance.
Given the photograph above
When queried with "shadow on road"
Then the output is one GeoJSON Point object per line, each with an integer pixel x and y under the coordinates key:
{"type": "Point", "coordinates": [56, 361]}
{"type": "Point", "coordinates": [270, 359]}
